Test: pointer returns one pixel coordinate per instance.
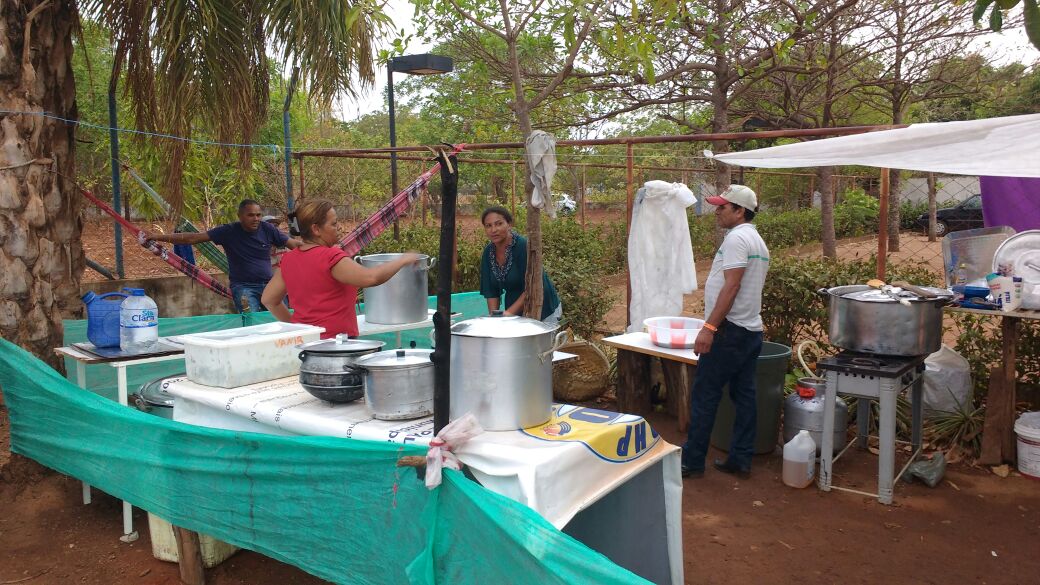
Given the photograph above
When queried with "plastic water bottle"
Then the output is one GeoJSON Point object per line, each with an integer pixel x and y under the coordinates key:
{"type": "Point", "coordinates": [138, 323]}
{"type": "Point", "coordinates": [800, 460]}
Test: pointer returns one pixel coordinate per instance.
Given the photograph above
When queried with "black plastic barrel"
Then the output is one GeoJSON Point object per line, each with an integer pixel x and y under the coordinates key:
{"type": "Point", "coordinates": [769, 397]}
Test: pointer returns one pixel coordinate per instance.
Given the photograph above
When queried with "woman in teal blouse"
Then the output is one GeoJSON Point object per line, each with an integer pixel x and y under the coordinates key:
{"type": "Point", "coordinates": [503, 265]}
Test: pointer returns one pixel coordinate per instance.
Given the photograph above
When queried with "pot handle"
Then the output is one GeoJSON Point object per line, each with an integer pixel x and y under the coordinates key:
{"type": "Point", "coordinates": [302, 353]}
{"type": "Point", "coordinates": [823, 293]}
{"type": "Point", "coordinates": [354, 369]}
{"type": "Point", "coordinates": [562, 338]}
{"type": "Point", "coordinates": [357, 258]}
{"type": "Point", "coordinates": [433, 260]}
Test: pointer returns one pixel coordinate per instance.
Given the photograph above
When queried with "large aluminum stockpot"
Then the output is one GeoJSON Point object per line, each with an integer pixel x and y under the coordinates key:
{"type": "Point", "coordinates": [328, 371]}
{"type": "Point", "coordinates": [501, 370]}
{"type": "Point", "coordinates": [403, 298]}
{"type": "Point", "coordinates": [398, 383]}
{"type": "Point", "coordinates": [872, 321]}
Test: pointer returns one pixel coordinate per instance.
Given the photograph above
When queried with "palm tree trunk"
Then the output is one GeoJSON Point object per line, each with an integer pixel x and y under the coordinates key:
{"type": "Point", "coordinates": [41, 253]}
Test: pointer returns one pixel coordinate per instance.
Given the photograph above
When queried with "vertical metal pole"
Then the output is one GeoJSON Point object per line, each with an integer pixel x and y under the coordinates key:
{"type": "Point", "coordinates": [882, 245]}
{"type": "Point", "coordinates": [113, 139]}
{"type": "Point", "coordinates": [301, 177]}
{"type": "Point", "coordinates": [441, 357]}
{"type": "Point", "coordinates": [393, 139]}
{"type": "Point", "coordinates": [584, 192]}
{"type": "Point", "coordinates": [629, 194]}
{"type": "Point", "coordinates": [289, 203]}
{"type": "Point", "coordinates": [512, 194]}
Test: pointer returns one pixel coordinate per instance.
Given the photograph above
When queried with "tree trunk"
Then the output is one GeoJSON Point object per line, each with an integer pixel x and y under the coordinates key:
{"type": "Point", "coordinates": [41, 252]}
{"type": "Point", "coordinates": [830, 247]}
{"type": "Point", "coordinates": [893, 211]}
{"type": "Point", "coordinates": [533, 277]}
{"type": "Point", "coordinates": [719, 124]}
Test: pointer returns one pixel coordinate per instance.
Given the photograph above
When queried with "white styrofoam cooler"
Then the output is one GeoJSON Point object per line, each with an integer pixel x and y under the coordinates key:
{"type": "Point", "coordinates": [164, 544]}
{"type": "Point", "coordinates": [246, 355]}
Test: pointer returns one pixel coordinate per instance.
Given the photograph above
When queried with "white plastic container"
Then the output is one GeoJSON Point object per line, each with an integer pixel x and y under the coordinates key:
{"type": "Point", "coordinates": [138, 322]}
{"type": "Point", "coordinates": [799, 460]}
{"type": "Point", "coordinates": [246, 355]}
{"type": "Point", "coordinates": [164, 544]}
{"type": "Point", "coordinates": [1027, 427]}
{"type": "Point", "coordinates": [673, 332]}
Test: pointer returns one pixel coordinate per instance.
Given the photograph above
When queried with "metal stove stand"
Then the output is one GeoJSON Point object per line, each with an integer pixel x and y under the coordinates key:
{"type": "Point", "coordinates": [871, 377]}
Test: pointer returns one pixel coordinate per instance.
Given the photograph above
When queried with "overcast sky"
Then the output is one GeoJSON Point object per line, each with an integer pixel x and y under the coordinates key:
{"type": "Point", "coordinates": [1009, 46]}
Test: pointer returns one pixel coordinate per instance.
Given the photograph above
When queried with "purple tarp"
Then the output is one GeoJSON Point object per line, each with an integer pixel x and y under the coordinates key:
{"type": "Point", "coordinates": [1011, 201]}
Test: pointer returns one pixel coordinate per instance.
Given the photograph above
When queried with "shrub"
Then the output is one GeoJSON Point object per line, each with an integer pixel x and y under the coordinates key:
{"type": "Point", "coordinates": [856, 215]}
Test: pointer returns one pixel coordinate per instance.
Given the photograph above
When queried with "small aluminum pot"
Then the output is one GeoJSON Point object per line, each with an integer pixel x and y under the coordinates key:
{"type": "Point", "coordinates": [501, 370]}
{"type": "Point", "coordinates": [867, 320]}
{"type": "Point", "coordinates": [328, 371]}
{"type": "Point", "coordinates": [398, 383]}
{"type": "Point", "coordinates": [153, 399]}
{"type": "Point", "coordinates": [402, 299]}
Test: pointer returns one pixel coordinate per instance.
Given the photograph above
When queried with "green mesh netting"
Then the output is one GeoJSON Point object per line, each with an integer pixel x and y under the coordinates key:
{"type": "Point", "coordinates": [337, 508]}
{"type": "Point", "coordinates": [102, 379]}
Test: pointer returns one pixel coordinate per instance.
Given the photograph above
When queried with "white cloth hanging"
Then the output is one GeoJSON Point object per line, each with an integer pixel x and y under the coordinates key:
{"type": "Point", "coordinates": [541, 162]}
{"type": "Point", "coordinates": [660, 257]}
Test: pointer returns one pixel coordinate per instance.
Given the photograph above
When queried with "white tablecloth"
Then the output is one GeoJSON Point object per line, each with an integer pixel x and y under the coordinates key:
{"type": "Point", "coordinates": [579, 457]}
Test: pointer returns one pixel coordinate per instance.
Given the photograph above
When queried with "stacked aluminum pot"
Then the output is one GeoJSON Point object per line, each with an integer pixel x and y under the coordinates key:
{"type": "Point", "coordinates": [328, 370]}
{"type": "Point", "coordinates": [398, 383]}
{"type": "Point", "coordinates": [501, 370]}
{"type": "Point", "coordinates": [403, 298]}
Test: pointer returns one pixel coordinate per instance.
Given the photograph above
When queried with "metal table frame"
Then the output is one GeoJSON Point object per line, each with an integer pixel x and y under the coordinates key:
{"type": "Point", "coordinates": [885, 391]}
{"type": "Point", "coordinates": [121, 364]}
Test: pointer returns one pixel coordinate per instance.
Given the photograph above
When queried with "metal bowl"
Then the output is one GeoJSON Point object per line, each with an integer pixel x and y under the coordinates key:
{"type": "Point", "coordinates": [335, 394]}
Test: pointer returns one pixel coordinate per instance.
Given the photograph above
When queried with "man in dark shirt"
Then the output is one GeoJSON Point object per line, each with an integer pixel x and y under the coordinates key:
{"type": "Point", "coordinates": [247, 243]}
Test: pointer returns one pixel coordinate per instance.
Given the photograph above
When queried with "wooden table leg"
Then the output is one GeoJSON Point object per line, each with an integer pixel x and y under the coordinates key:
{"type": "Point", "coordinates": [633, 392]}
{"type": "Point", "coordinates": [189, 551]}
{"type": "Point", "coordinates": [998, 437]}
{"type": "Point", "coordinates": [677, 384]}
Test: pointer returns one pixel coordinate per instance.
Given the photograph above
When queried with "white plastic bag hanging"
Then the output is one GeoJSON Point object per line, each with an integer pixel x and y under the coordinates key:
{"type": "Point", "coordinates": [541, 162]}
{"type": "Point", "coordinates": [441, 455]}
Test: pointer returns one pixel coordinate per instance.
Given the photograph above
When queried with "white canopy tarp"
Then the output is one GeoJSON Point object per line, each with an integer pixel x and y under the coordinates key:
{"type": "Point", "coordinates": [995, 147]}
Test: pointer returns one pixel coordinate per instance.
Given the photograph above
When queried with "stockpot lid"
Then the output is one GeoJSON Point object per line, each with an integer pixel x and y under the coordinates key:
{"type": "Point", "coordinates": [341, 345]}
{"type": "Point", "coordinates": [500, 326]}
{"type": "Point", "coordinates": [873, 295]}
{"type": "Point", "coordinates": [396, 359]}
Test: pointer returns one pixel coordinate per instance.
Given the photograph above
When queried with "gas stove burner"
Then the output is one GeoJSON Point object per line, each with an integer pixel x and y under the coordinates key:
{"type": "Point", "coordinates": [885, 366]}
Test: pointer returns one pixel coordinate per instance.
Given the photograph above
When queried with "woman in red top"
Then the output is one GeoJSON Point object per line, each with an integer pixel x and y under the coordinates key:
{"type": "Point", "coordinates": [321, 280]}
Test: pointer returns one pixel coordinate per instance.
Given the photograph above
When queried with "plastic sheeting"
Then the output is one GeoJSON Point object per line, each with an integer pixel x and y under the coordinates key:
{"type": "Point", "coordinates": [996, 147]}
{"type": "Point", "coordinates": [337, 508]}
{"type": "Point", "coordinates": [660, 257]}
{"type": "Point", "coordinates": [102, 380]}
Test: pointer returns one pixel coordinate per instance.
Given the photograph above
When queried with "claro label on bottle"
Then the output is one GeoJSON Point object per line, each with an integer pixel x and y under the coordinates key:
{"type": "Point", "coordinates": [141, 318]}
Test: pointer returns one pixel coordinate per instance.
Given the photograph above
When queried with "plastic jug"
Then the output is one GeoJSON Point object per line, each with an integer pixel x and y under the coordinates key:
{"type": "Point", "coordinates": [138, 323]}
{"type": "Point", "coordinates": [799, 460]}
{"type": "Point", "coordinates": [103, 318]}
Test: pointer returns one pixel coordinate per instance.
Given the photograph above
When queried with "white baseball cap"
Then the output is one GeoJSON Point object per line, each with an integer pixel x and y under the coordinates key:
{"type": "Point", "coordinates": [271, 218]}
{"type": "Point", "coordinates": [739, 194]}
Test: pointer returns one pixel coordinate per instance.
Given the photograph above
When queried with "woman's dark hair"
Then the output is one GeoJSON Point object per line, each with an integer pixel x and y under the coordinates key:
{"type": "Point", "coordinates": [309, 213]}
{"type": "Point", "coordinates": [499, 210]}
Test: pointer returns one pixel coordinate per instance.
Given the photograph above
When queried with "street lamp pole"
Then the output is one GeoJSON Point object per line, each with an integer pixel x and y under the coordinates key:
{"type": "Point", "coordinates": [393, 139]}
{"type": "Point", "coordinates": [426, 64]}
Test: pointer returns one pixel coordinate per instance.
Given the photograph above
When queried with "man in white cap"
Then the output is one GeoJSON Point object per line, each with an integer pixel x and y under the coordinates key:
{"type": "Point", "coordinates": [729, 344]}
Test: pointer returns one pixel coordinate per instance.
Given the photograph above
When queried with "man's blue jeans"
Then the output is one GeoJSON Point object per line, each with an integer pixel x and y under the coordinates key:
{"type": "Point", "coordinates": [252, 293]}
{"type": "Point", "coordinates": [733, 359]}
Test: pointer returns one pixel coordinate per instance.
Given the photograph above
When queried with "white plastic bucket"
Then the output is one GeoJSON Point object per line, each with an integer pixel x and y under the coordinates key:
{"type": "Point", "coordinates": [1027, 427]}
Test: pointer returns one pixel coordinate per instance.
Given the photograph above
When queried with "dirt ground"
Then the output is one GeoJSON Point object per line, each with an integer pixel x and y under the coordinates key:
{"type": "Point", "coordinates": [975, 527]}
